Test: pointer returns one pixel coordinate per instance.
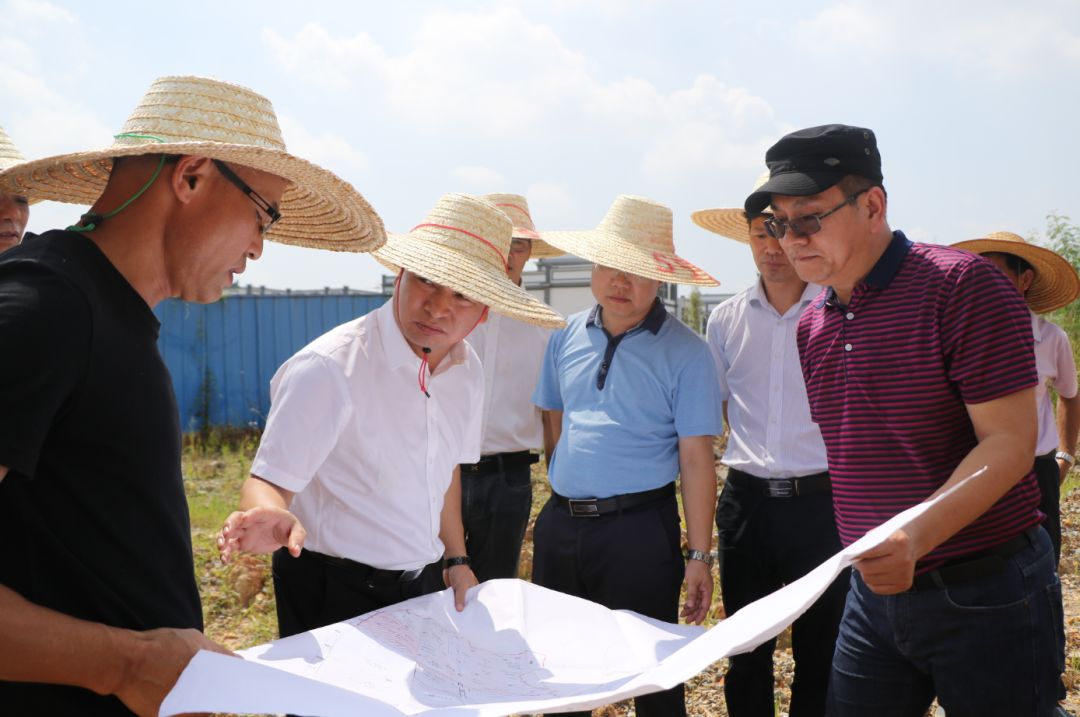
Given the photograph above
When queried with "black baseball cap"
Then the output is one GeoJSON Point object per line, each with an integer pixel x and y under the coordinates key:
{"type": "Point", "coordinates": [809, 161]}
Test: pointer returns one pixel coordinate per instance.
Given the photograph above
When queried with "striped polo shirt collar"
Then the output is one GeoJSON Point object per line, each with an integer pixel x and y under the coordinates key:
{"type": "Point", "coordinates": [883, 271]}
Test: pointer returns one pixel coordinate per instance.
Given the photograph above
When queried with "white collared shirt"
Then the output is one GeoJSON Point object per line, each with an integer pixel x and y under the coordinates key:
{"type": "Point", "coordinates": [511, 352]}
{"type": "Point", "coordinates": [367, 454]}
{"type": "Point", "coordinates": [1057, 368]}
{"type": "Point", "coordinates": [770, 433]}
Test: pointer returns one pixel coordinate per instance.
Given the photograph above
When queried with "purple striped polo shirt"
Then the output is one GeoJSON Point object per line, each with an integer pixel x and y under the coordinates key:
{"type": "Point", "coordinates": [929, 330]}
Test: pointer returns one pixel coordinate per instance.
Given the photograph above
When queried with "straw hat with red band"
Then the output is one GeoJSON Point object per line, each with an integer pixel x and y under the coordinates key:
{"type": "Point", "coordinates": [208, 118]}
{"type": "Point", "coordinates": [1056, 283]}
{"type": "Point", "coordinates": [635, 236]}
{"type": "Point", "coordinates": [462, 244]}
{"type": "Point", "coordinates": [732, 222]}
{"type": "Point", "coordinates": [517, 209]}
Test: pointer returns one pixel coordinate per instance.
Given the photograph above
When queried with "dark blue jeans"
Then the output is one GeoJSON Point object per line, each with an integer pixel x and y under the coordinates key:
{"type": "Point", "coordinates": [986, 647]}
{"type": "Point", "coordinates": [495, 510]}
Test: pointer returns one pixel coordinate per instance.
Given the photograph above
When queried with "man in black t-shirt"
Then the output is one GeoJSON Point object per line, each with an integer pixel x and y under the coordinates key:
{"type": "Point", "coordinates": [99, 610]}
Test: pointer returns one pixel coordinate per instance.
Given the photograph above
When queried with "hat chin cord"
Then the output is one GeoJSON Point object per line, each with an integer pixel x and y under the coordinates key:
{"type": "Point", "coordinates": [91, 220]}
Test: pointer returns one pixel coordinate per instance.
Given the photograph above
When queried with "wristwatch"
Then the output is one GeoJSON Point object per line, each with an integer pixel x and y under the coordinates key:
{"type": "Point", "coordinates": [704, 557]}
{"type": "Point", "coordinates": [1067, 457]}
{"type": "Point", "coordinates": [455, 561]}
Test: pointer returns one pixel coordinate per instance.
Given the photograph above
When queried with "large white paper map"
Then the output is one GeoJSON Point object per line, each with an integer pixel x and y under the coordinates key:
{"type": "Point", "coordinates": [515, 648]}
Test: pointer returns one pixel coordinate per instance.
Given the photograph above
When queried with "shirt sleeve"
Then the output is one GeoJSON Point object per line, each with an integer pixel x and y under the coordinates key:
{"type": "Point", "coordinates": [986, 335]}
{"type": "Point", "coordinates": [715, 332]}
{"type": "Point", "coordinates": [309, 408]}
{"type": "Point", "coordinates": [473, 437]}
{"type": "Point", "coordinates": [697, 400]}
{"type": "Point", "coordinates": [548, 393]}
{"type": "Point", "coordinates": [45, 331]}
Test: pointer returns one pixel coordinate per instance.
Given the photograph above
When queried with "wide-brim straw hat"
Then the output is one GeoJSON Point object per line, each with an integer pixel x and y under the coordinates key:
{"type": "Point", "coordinates": [1056, 283]}
{"type": "Point", "coordinates": [9, 153]}
{"type": "Point", "coordinates": [10, 156]}
{"type": "Point", "coordinates": [516, 208]}
{"type": "Point", "coordinates": [209, 118]}
{"type": "Point", "coordinates": [730, 222]}
{"type": "Point", "coordinates": [462, 244]}
{"type": "Point", "coordinates": [635, 236]}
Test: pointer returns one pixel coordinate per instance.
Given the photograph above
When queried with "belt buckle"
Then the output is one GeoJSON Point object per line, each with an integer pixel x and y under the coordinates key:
{"type": "Point", "coordinates": [407, 576]}
{"type": "Point", "coordinates": [780, 488]}
{"type": "Point", "coordinates": [583, 507]}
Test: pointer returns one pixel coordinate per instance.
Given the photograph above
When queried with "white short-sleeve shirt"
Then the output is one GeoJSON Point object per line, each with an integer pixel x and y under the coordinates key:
{"type": "Point", "coordinates": [770, 432]}
{"type": "Point", "coordinates": [1057, 368]}
{"type": "Point", "coordinates": [511, 352]}
{"type": "Point", "coordinates": [367, 454]}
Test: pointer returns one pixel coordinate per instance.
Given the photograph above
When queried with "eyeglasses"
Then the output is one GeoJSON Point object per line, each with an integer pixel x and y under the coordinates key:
{"type": "Point", "coordinates": [807, 224]}
{"type": "Point", "coordinates": [257, 200]}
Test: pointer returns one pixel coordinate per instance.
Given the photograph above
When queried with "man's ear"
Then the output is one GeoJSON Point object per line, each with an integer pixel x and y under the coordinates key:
{"type": "Point", "coordinates": [1025, 280]}
{"type": "Point", "coordinates": [876, 203]}
{"type": "Point", "coordinates": [190, 176]}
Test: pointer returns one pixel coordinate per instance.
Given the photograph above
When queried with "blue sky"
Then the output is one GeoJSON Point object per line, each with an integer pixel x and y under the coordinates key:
{"type": "Point", "coordinates": [574, 102]}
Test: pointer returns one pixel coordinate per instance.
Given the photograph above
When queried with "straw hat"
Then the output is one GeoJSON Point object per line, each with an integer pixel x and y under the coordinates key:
{"type": "Point", "coordinates": [517, 208]}
{"type": "Point", "coordinates": [636, 237]}
{"type": "Point", "coordinates": [9, 155]}
{"type": "Point", "coordinates": [204, 117]}
{"type": "Point", "coordinates": [462, 244]}
{"type": "Point", "coordinates": [1056, 283]}
{"type": "Point", "coordinates": [731, 223]}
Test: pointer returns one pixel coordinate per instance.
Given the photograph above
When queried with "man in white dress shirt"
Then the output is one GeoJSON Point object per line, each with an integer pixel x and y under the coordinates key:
{"type": "Point", "coordinates": [496, 492]}
{"type": "Point", "coordinates": [355, 485]}
{"type": "Point", "coordinates": [775, 514]}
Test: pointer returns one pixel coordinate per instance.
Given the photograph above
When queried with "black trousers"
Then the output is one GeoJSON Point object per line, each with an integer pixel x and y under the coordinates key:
{"type": "Point", "coordinates": [495, 510]}
{"type": "Point", "coordinates": [625, 561]}
{"type": "Point", "coordinates": [311, 592]}
{"type": "Point", "coordinates": [766, 543]}
{"type": "Point", "coordinates": [1048, 476]}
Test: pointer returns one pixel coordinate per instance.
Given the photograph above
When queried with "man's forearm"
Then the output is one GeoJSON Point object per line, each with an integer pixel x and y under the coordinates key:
{"type": "Point", "coordinates": [451, 527]}
{"type": "Point", "coordinates": [260, 493]}
{"type": "Point", "coordinates": [1068, 423]}
{"type": "Point", "coordinates": [1005, 463]}
{"type": "Point", "coordinates": [41, 645]}
{"type": "Point", "coordinates": [698, 477]}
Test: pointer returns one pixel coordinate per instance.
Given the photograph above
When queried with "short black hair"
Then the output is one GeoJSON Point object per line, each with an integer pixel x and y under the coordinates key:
{"type": "Point", "coordinates": [751, 217]}
{"type": "Point", "coordinates": [117, 161]}
{"type": "Point", "coordinates": [1017, 264]}
{"type": "Point", "coordinates": [854, 183]}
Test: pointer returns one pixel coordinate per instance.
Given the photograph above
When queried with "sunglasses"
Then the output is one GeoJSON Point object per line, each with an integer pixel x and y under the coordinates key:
{"type": "Point", "coordinates": [257, 200]}
{"type": "Point", "coordinates": [807, 224]}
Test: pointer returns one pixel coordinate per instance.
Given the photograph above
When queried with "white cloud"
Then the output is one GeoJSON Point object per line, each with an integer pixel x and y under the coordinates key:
{"type": "Point", "coordinates": [996, 35]}
{"type": "Point", "coordinates": [609, 8]}
{"type": "Point", "coordinates": [479, 180]}
{"type": "Point", "coordinates": [23, 11]}
{"type": "Point", "coordinates": [454, 79]}
{"type": "Point", "coordinates": [548, 199]}
{"type": "Point", "coordinates": [40, 118]}
{"type": "Point", "coordinates": [326, 149]}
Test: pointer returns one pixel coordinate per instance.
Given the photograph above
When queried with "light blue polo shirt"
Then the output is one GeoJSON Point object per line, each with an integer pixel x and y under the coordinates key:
{"type": "Point", "coordinates": [625, 407]}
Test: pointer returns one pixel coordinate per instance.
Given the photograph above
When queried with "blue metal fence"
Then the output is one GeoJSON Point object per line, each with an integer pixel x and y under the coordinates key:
{"type": "Point", "coordinates": [222, 355]}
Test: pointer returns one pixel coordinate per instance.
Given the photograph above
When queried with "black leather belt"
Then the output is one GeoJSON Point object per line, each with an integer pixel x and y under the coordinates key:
{"type": "Point", "coordinates": [977, 565]}
{"type": "Point", "coordinates": [595, 507]}
{"type": "Point", "coordinates": [375, 576]}
{"type": "Point", "coordinates": [783, 487]}
{"type": "Point", "coordinates": [500, 462]}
